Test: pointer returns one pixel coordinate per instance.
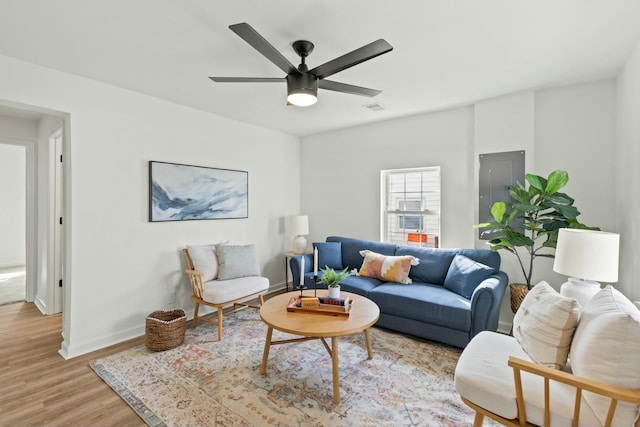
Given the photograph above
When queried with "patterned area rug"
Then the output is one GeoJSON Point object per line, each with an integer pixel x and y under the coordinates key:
{"type": "Point", "coordinates": [409, 382]}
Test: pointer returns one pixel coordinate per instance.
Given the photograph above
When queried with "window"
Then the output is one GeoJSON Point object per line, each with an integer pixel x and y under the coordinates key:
{"type": "Point", "coordinates": [411, 206]}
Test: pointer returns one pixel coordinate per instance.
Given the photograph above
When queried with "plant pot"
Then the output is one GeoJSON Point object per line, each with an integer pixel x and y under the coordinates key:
{"type": "Point", "coordinates": [334, 292]}
{"type": "Point", "coordinates": [518, 292]}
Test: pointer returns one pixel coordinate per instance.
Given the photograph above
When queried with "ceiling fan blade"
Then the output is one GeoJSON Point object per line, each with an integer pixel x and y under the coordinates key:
{"type": "Point", "coordinates": [346, 88]}
{"type": "Point", "coordinates": [350, 59]}
{"type": "Point", "coordinates": [251, 36]}
{"type": "Point", "coordinates": [248, 79]}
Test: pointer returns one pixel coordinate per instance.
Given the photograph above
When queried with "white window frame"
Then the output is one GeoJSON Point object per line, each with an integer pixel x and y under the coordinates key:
{"type": "Point", "coordinates": [393, 229]}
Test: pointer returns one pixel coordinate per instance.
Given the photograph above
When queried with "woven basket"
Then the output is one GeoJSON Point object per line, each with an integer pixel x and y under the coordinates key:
{"type": "Point", "coordinates": [165, 329]}
{"type": "Point", "coordinates": [518, 292]}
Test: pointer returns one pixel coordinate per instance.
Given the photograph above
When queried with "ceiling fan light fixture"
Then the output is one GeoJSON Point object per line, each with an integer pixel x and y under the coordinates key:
{"type": "Point", "coordinates": [302, 97]}
{"type": "Point", "coordinates": [302, 89]}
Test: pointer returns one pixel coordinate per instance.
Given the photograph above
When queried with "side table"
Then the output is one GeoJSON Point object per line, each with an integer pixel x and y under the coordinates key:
{"type": "Point", "coordinates": [287, 256]}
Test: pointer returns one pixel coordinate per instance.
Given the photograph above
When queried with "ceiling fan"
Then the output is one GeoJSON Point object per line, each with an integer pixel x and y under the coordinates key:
{"type": "Point", "coordinates": [302, 83]}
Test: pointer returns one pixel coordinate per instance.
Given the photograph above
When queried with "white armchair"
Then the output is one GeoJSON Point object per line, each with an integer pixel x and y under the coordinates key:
{"type": "Point", "coordinates": [223, 275]}
{"type": "Point", "coordinates": [505, 378]}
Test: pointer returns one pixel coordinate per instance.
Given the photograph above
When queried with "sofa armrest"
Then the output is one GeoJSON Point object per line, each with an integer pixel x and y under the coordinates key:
{"type": "Point", "coordinates": [294, 265]}
{"type": "Point", "coordinates": [485, 303]}
{"type": "Point", "coordinates": [615, 394]}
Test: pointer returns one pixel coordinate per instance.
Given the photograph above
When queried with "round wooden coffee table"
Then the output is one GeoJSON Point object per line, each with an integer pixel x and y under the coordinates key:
{"type": "Point", "coordinates": [310, 326]}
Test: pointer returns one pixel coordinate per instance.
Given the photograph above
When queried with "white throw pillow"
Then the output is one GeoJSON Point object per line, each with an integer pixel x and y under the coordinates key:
{"type": "Point", "coordinates": [605, 348]}
{"type": "Point", "coordinates": [204, 259]}
{"type": "Point", "coordinates": [544, 325]}
{"type": "Point", "coordinates": [237, 261]}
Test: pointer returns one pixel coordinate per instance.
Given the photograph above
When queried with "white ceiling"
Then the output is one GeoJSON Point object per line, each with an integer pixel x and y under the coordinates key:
{"type": "Point", "coordinates": [446, 52]}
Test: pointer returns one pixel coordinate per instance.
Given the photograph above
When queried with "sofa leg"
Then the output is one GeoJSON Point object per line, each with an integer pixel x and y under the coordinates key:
{"type": "Point", "coordinates": [219, 323]}
{"type": "Point", "coordinates": [478, 420]}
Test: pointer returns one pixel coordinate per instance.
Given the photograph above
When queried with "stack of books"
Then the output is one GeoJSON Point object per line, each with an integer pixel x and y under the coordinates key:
{"type": "Point", "coordinates": [335, 304]}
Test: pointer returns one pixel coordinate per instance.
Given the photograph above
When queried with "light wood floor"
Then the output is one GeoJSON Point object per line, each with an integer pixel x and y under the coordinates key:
{"type": "Point", "coordinates": [39, 388]}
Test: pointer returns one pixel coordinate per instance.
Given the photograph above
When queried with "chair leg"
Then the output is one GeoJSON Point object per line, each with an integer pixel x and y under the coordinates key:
{"type": "Point", "coordinates": [478, 420]}
{"type": "Point", "coordinates": [219, 323]}
{"type": "Point", "coordinates": [195, 315]}
{"type": "Point", "coordinates": [261, 299]}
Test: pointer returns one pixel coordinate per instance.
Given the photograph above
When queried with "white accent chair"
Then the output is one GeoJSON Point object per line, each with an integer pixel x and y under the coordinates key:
{"type": "Point", "coordinates": [224, 275]}
{"type": "Point", "coordinates": [505, 378]}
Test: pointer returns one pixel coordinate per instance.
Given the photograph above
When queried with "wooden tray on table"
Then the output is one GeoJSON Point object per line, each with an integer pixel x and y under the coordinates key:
{"type": "Point", "coordinates": [333, 310]}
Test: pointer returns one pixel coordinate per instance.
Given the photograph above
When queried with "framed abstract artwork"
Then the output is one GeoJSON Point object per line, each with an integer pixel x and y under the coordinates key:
{"type": "Point", "coordinates": [182, 192]}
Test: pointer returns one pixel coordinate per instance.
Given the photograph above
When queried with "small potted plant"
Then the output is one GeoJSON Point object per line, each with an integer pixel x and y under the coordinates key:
{"type": "Point", "coordinates": [332, 279]}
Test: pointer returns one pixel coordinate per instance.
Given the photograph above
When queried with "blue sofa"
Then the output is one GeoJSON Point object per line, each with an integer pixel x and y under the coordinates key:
{"type": "Point", "coordinates": [435, 305]}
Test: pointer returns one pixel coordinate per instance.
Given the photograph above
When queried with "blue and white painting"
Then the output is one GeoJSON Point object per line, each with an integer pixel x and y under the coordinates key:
{"type": "Point", "coordinates": [182, 192]}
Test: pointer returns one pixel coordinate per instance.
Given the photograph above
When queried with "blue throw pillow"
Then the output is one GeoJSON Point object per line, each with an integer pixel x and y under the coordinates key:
{"type": "Point", "coordinates": [465, 275]}
{"type": "Point", "coordinates": [329, 255]}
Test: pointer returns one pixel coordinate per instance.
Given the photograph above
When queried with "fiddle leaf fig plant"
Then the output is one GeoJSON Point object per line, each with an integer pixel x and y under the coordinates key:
{"type": "Point", "coordinates": [543, 209]}
{"type": "Point", "coordinates": [331, 278]}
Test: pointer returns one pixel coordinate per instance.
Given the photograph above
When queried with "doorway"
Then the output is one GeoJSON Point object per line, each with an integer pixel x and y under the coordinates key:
{"type": "Point", "coordinates": [12, 223]}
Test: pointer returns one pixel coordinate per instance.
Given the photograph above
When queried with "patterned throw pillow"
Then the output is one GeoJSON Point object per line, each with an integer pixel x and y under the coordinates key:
{"type": "Point", "coordinates": [388, 268]}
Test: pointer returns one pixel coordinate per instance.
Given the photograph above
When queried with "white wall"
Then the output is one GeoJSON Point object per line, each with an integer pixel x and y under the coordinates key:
{"type": "Point", "coordinates": [576, 131]}
{"type": "Point", "coordinates": [341, 173]}
{"type": "Point", "coordinates": [122, 267]}
{"type": "Point", "coordinates": [503, 124]}
{"type": "Point", "coordinates": [12, 204]}
{"type": "Point", "coordinates": [627, 175]}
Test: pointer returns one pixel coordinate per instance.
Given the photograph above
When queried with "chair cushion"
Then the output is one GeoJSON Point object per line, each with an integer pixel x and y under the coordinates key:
{"type": "Point", "coordinates": [204, 259]}
{"type": "Point", "coordinates": [483, 377]}
{"type": "Point", "coordinates": [329, 255]}
{"type": "Point", "coordinates": [237, 261]}
{"type": "Point", "coordinates": [464, 275]}
{"type": "Point", "coordinates": [387, 268]}
{"type": "Point", "coordinates": [544, 325]}
{"type": "Point", "coordinates": [222, 291]}
{"type": "Point", "coordinates": [605, 348]}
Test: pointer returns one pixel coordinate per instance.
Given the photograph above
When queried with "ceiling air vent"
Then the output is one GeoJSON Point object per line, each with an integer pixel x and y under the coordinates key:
{"type": "Point", "coordinates": [376, 106]}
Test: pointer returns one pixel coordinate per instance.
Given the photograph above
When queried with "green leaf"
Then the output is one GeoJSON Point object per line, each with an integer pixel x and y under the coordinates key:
{"type": "Point", "coordinates": [497, 211]}
{"type": "Point", "coordinates": [557, 179]}
{"type": "Point", "coordinates": [536, 181]}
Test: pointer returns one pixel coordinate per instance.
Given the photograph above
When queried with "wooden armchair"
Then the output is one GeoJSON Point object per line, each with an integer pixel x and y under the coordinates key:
{"type": "Point", "coordinates": [221, 293]}
{"type": "Point", "coordinates": [614, 394]}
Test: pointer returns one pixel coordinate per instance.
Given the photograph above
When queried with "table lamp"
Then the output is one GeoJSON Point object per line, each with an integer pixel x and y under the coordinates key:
{"type": "Point", "coordinates": [299, 227]}
{"type": "Point", "coordinates": [587, 256]}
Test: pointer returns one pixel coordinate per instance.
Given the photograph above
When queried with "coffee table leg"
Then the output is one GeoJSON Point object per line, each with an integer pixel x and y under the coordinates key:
{"type": "Point", "coordinates": [368, 340]}
{"type": "Point", "coordinates": [334, 366]}
{"type": "Point", "coordinates": [265, 354]}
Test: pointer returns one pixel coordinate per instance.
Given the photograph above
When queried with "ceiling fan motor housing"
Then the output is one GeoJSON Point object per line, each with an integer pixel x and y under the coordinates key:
{"type": "Point", "coordinates": [302, 83]}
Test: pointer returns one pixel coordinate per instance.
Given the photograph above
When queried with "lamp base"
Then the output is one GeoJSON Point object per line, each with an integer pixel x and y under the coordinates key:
{"type": "Point", "coordinates": [579, 289]}
{"type": "Point", "coordinates": [299, 244]}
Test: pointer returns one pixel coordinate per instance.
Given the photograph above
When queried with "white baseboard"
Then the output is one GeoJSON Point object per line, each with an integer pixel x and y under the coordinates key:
{"type": "Point", "coordinates": [504, 327]}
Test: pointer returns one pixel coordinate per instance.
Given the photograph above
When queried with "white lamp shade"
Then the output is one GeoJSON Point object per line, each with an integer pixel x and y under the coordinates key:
{"type": "Point", "coordinates": [587, 254]}
{"type": "Point", "coordinates": [299, 225]}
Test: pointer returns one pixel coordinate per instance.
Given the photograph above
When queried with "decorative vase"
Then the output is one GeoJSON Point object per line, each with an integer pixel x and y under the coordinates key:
{"type": "Point", "coordinates": [518, 292]}
{"type": "Point", "coordinates": [334, 292]}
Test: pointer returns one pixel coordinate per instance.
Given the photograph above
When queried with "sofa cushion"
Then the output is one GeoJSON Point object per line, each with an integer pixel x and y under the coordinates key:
{"type": "Point", "coordinates": [464, 275]}
{"type": "Point", "coordinates": [329, 255]}
{"type": "Point", "coordinates": [605, 348]}
{"type": "Point", "coordinates": [434, 263]}
{"type": "Point", "coordinates": [204, 259]}
{"type": "Point", "coordinates": [359, 285]}
{"type": "Point", "coordinates": [351, 248]}
{"type": "Point", "coordinates": [387, 268]}
{"type": "Point", "coordinates": [544, 325]}
{"type": "Point", "coordinates": [425, 303]}
{"type": "Point", "coordinates": [237, 261]}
